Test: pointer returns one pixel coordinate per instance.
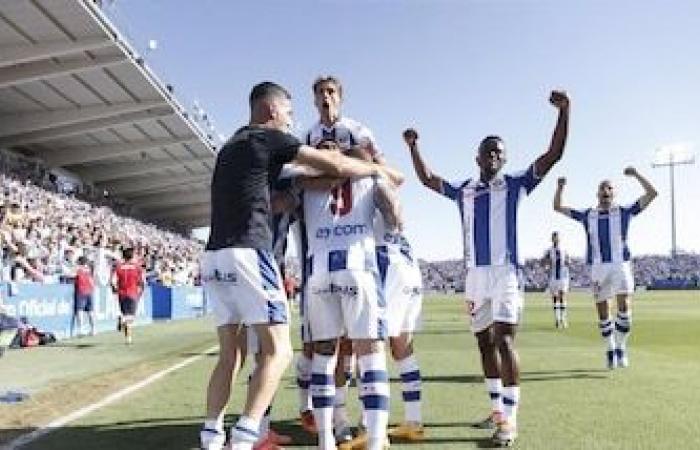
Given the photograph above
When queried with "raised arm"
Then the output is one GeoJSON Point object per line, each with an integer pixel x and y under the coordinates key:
{"type": "Point", "coordinates": [561, 182]}
{"type": "Point", "coordinates": [34, 274]}
{"type": "Point", "coordinates": [7, 237]}
{"type": "Point", "coordinates": [556, 146]}
{"type": "Point", "coordinates": [649, 190]}
{"type": "Point", "coordinates": [425, 175]}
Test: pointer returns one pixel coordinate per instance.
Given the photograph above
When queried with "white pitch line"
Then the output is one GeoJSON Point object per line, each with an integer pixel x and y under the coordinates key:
{"type": "Point", "coordinates": [75, 415]}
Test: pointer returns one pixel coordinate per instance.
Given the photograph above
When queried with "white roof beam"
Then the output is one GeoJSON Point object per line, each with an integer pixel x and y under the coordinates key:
{"type": "Point", "coordinates": [115, 171]}
{"type": "Point", "coordinates": [154, 203]}
{"type": "Point", "coordinates": [174, 189]}
{"type": "Point", "coordinates": [192, 184]}
{"type": "Point", "coordinates": [155, 199]}
{"type": "Point", "coordinates": [83, 127]}
{"type": "Point", "coordinates": [90, 154]}
{"type": "Point", "coordinates": [194, 222]}
{"type": "Point", "coordinates": [42, 70]}
{"type": "Point", "coordinates": [148, 184]}
{"type": "Point", "coordinates": [19, 54]}
{"type": "Point", "coordinates": [178, 212]}
{"type": "Point", "coordinates": [25, 122]}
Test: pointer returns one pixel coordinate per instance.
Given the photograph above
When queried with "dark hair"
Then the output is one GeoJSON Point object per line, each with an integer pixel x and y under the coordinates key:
{"type": "Point", "coordinates": [82, 260]}
{"type": "Point", "coordinates": [128, 253]}
{"type": "Point", "coordinates": [328, 79]}
{"type": "Point", "coordinates": [488, 141]}
{"type": "Point", "coordinates": [267, 89]}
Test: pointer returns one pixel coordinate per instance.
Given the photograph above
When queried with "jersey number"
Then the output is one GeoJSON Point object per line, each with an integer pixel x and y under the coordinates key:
{"type": "Point", "coordinates": [341, 199]}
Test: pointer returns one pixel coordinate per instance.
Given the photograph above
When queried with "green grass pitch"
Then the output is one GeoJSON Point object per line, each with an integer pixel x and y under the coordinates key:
{"type": "Point", "coordinates": [569, 401]}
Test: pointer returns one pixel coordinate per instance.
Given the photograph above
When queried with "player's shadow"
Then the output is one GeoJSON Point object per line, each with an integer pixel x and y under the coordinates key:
{"type": "Point", "coordinates": [208, 354]}
{"type": "Point", "coordinates": [561, 375]}
{"type": "Point", "coordinates": [76, 345]}
{"type": "Point", "coordinates": [467, 378]}
{"type": "Point", "coordinates": [480, 442]}
{"type": "Point", "coordinates": [429, 425]}
{"type": "Point", "coordinates": [445, 331]}
{"type": "Point", "coordinates": [167, 433]}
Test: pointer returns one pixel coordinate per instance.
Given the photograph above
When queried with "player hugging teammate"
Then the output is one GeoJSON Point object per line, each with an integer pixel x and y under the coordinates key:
{"type": "Point", "coordinates": [362, 285]}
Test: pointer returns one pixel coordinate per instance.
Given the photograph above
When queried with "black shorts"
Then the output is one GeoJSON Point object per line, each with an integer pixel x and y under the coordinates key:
{"type": "Point", "coordinates": [82, 303]}
{"type": "Point", "coordinates": [127, 305]}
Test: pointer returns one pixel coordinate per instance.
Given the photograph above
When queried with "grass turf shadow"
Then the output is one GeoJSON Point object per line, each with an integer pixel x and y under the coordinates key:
{"type": "Point", "coordinates": [167, 433]}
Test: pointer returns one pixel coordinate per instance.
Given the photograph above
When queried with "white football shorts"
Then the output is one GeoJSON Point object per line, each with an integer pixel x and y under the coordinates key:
{"type": "Point", "coordinates": [493, 295]}
{"type": "Point", "coordinates": [244, 286]}
{"type": "Point", "coordinates": [344, 303]}
{"type": "Point", "coordinates": [611, 279]}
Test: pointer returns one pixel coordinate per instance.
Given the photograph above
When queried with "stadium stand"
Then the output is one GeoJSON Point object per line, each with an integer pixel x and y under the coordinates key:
{"type": "Point", "coordinates": [650, 271]}
{"type": "Point", "coordinates": [75, 95]}
{"type": "Point", "coordinates": [43, 234]}
{"type": "Point", "coordinates": [96, 155]}
{"type": "Point", "coordinates": [88, 136]}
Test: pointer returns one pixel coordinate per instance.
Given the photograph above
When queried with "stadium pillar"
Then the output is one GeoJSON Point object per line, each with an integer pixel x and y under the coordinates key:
{"type": "Point", "coordinates": [671, 156]}
{"type": "Point", "coordinates": [673, 210]}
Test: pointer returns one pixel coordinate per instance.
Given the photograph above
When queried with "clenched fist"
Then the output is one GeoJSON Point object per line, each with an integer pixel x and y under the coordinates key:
{"type": "Point", "coordinates": [410, 136]}
{"type": "Point", "coordinates": [559, 99]}
{"type": "Point", "coordinates": [630, 171]}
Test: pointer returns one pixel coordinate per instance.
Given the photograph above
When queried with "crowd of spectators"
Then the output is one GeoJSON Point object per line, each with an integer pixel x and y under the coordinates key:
{"type": "Point", "coordinates": [45, 227]}
{"type": "Point", "coordinates": [46, 224]}
{"type": "Point", "coordinates": [449, 275]}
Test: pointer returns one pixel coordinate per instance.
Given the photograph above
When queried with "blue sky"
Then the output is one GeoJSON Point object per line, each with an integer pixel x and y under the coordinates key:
{"type": "Point", "coordinates": [460, 70]}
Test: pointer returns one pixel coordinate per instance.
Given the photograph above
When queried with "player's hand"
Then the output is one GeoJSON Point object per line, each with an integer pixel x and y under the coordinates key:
{"type": "Point", "coordinates": [630, 171]}
{"type": "Point", "coordinates": [561, 182]}
{"type": "Point", "coordinates": [559, 99]}
{"type": "Point", "coordinates": [410, 135]}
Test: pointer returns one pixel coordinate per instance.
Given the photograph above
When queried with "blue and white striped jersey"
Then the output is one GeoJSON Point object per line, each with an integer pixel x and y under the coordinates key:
{"type": "Point", "coordinates": [345, 131]}
{"type": "Point", "coordinates": [489, 213]}
{"type": "Point", "coordinates": [339, 226]}
{"type": "Point", "coordinates": [558, 267]}
{"type": "Point", "coordinates": [606, 232]}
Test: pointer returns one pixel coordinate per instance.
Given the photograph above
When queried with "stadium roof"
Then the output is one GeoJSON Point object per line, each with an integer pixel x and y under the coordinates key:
{"type": "Point", "coordinates": [75, 94]}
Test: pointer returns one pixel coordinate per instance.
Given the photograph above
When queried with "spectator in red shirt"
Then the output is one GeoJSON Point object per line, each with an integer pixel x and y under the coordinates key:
{"type": "Point", "coordinates": [84, 286]}
{"type": "Point", "coordinates": [127, 282]}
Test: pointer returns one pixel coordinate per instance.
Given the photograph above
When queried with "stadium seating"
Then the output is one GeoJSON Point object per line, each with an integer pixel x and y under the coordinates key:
{"type": "Point", "coordinates": [44, 230]}
{"type": "Point", "coordinates": [650, 271]}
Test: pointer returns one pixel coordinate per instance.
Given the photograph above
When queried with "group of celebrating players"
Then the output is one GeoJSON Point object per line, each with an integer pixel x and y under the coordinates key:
{"type": "Point", "coordinates": [361, 282]}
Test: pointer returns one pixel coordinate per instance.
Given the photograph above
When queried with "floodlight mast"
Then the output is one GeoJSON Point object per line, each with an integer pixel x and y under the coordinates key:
{"type": "Point", "coordinates": [671, 162]}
